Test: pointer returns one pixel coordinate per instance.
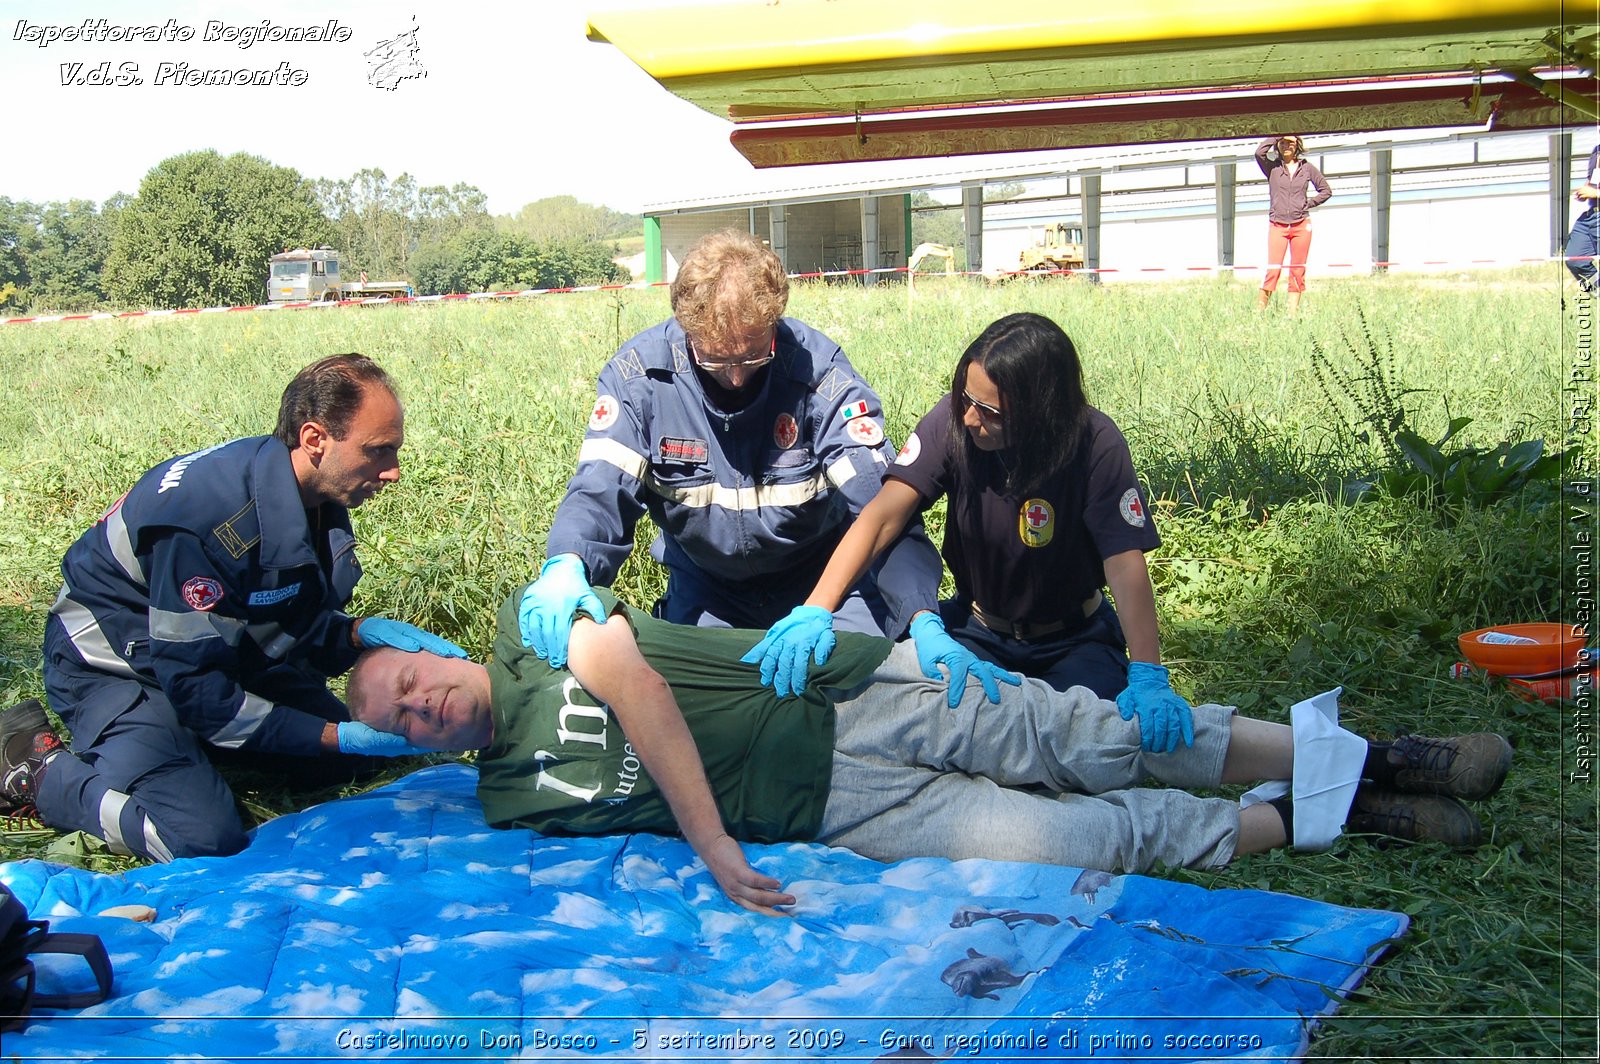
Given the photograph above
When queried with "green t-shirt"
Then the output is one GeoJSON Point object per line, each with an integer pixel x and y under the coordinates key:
{"type": "Point", "coordinates": [560, 764]}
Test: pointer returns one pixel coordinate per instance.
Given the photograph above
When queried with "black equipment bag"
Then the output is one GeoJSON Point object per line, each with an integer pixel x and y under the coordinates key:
{"type": "Point", "coordinates": [19, 937]}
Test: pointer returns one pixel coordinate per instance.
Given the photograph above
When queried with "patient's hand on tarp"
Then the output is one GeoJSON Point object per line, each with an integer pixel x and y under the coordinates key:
{"type": "Point", "coordinates": [724, 858]}
{"type": "Point", "coordinates": [140, 913]}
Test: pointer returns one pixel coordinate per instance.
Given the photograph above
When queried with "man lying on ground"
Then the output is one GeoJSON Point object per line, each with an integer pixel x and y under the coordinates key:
{"type": "Point", "coordinates": [659, 727]}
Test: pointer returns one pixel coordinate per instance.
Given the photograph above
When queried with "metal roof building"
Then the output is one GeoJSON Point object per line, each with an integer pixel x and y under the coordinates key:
{"type": "Point", "coordinates": [1411, 199]}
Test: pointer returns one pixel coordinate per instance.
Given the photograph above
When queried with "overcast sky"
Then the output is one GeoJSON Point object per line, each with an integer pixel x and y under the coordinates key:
{"type": "Point", "coordinates": [515, 101]}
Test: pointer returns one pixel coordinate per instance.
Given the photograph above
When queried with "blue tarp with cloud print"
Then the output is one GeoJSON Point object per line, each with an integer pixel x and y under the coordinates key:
{"type": "Point", "coordinates": [395, 924]}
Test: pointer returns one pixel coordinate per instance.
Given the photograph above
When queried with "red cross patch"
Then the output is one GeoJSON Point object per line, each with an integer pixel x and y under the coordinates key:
{"type": "Point", "coordinates": [604, 414]}
{"type": "Point", "coordinates": [202, 592]}
{"type": "Point", "coordinates": [1132, 508]}
{"type": "Point", "coordinates": [1036, 523]}
{"type": "Point", "coordinates": [785, 431]}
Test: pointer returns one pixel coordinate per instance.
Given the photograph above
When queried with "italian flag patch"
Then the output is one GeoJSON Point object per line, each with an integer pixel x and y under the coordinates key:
{"type": "Point", "coordinates": [854, 410]}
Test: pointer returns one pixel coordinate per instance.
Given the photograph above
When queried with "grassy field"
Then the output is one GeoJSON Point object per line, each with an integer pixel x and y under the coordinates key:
{"type": "Point", "coordinates": [1275, 581]}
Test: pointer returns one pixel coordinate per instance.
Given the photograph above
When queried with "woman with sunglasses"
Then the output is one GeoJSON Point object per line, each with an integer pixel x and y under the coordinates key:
{"type": "Point", "coordinates": [1045, 511]}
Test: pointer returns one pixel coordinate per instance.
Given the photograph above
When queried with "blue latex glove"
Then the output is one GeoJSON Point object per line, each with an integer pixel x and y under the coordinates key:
{"type": "Point", "coordinates": [383, 632]}
{"type": "Point", "coordinates": [937, 647]}
{"type": "Point", "coordinates": [805, 635]}
{"type": "Point", "coordinates": [358, 738]}
{"type": "Point", "coordinates": [1164, 716]}
{"type": "Point", "coordinates": [550, 605]}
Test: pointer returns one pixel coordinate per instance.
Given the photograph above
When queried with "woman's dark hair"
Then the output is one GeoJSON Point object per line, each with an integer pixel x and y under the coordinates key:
{"type": "Point", "coordinates": [1034, 365]}
{"type": "Point", "coordinates": [329, 392]}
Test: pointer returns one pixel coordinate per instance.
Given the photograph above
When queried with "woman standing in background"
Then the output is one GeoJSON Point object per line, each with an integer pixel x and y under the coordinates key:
{"type": "Point", "coordinates": [1294, 186]}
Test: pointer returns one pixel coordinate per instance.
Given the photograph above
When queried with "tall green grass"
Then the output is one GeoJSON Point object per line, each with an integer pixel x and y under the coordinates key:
{"type": "Point", "coordinates": [1272, 585]}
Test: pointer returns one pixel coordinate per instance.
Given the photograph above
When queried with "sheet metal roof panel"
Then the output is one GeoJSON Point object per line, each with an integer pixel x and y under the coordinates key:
{"type": "Point", "coordinates": [1346, 107]}
{"type": "Point", "coordinates": [804, 185]}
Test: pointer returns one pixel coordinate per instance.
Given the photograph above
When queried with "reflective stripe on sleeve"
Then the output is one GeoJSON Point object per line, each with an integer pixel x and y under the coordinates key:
{"type": "Point", "coordinates": [274, 642]}
{"type": "Point", "coordinates": [237, 731]}
{"type": "Point", "coordinates": [615, 454]}
{"type": "Point", "coordinates": [117, 538]}
{"type": "Point", "coordinates": [192, 626]}
{"type": "Point", "coordinates": [842, 469]}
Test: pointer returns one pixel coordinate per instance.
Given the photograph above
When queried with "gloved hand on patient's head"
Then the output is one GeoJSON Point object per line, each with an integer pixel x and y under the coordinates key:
{"type": "Point", "coordinates": [358, 738]}
{"type": "Point", "coordinates": [384, 632]}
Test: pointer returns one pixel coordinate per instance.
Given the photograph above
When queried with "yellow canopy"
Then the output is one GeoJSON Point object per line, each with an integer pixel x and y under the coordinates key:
{"type": "Point", "coordinates": [762, 60]}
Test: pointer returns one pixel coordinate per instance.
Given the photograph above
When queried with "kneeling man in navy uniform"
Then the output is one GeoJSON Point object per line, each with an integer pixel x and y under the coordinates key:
{"type": "Point", "coordinates": [204, 611]}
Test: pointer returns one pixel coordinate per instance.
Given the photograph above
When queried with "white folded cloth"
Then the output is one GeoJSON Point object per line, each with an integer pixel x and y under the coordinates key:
{"type": "Point", "coordinates": [1327, 769]}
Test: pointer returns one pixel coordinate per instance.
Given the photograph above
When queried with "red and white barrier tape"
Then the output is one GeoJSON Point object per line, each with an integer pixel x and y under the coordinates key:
{"type": "Point", "coordinates": [44, 319]}
{"type": "Point", "coordinates": [320, 303]}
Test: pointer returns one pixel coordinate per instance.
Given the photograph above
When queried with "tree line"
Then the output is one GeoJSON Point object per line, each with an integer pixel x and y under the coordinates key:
{"type": "Point", "coordinates": [202, 227]}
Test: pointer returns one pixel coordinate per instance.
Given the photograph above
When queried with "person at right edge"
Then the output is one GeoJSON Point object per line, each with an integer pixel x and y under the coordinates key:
{"type": "Point", "coordinates": [1294, 186]}
{"type": "Point", "coordinates": [1584, 240]}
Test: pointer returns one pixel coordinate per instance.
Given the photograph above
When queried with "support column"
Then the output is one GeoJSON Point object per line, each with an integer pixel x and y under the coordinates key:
{"type": "Point", "coordinates": [909, 241]}
{"type": "Point", "coordinates": [869, 238]}
{"type": "Point", "coordinates": [1091, 224]}
{"type": "Point", "coordinates": [1560, 191]}
{"type": "Point", "coordinates": [972, 223]}
{"type": "Point", "coordinates": [655, 266]}
{"type": "Point", "coordinates": [1227, 215]}
{"type": "Point", "coordinates": [1380, 171]}
{"type": "Point", "coordinates": [778, 221]}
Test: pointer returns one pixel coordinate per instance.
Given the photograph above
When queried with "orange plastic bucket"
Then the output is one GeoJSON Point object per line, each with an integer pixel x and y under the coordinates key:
{"type": "Point", "coordinates": [1523, 649]}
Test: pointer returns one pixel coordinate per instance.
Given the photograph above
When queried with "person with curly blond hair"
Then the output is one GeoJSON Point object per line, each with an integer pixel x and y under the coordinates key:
{"type": "Point", "coordinates": [751, 442]}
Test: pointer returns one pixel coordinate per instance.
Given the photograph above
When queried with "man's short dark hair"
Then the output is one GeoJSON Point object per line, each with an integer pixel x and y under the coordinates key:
{"type": "Point", "coordinates": [329, 392]}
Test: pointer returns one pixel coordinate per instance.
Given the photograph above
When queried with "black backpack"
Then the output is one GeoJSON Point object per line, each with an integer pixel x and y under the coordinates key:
{"type": "Point", "coordinates": [20, 936]}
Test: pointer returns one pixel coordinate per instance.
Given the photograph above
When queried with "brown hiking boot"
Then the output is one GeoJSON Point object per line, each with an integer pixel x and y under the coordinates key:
{"type": "Point", "coordinates": [1467, 766]}
{"type": "Point", "coordinates": [26, 740]}
{"type": "Point", "coordinates": [1414, 818]}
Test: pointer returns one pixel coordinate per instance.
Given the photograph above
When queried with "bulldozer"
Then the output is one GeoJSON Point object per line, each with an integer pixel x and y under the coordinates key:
{"type": "Point", "coordinates": [1059, 248]}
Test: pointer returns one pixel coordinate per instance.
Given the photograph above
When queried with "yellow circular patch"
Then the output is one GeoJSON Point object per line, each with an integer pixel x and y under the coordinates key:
{"type": "Point", "coordinates": [1036, 523]}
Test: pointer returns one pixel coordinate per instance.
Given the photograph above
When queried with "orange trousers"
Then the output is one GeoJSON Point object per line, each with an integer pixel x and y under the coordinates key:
{"type": "Point", "coordinates": [1296, 239]}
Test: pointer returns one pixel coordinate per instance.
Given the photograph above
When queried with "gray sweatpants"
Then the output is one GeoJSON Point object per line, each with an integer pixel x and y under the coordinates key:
{"type": "Point", "coordinates": [912, 778]}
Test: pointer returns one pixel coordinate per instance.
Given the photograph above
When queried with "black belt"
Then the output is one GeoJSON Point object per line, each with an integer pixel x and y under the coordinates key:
{"type": "Point", "coordinates": [1027, 631]}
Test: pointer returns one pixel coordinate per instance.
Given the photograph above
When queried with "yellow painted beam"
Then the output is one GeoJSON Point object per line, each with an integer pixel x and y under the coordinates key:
{"type": "Point", "coordinates": [806, 61]}
{"type": "Point", "coordinates": [700, 40]}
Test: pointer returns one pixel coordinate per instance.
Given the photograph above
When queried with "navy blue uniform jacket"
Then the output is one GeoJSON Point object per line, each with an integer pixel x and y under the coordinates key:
{"type": "Point", "coordinates": [208, 572]}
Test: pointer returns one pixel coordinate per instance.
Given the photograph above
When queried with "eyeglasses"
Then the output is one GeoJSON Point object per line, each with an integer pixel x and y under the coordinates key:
{"type": "Point", "coordinates": [988, 413]}
{"type": "Point", "coordinates": [749, 360]}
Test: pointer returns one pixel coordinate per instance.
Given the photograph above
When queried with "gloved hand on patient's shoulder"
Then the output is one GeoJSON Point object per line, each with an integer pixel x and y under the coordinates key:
{"type": "Point", "coordinates": [551, 603]}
